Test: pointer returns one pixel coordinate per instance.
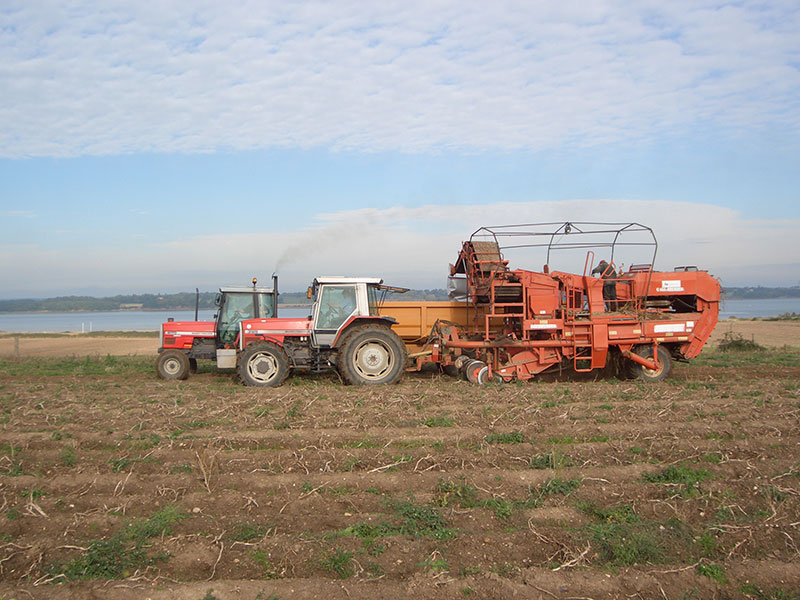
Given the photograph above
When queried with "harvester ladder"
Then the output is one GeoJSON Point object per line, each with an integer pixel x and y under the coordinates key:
{"type": "Point", "coordinates": [582, 341]}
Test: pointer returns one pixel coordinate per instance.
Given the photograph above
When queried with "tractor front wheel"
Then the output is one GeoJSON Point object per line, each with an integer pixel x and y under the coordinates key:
{"type": "Point", "coordinates": [372, 356]}
{"type": "Point", "coordinates": [637, 371]}
{"type": "Point", "coordinates": [263, 364]}
{"type": "Point", "coordinates": [172, 364]}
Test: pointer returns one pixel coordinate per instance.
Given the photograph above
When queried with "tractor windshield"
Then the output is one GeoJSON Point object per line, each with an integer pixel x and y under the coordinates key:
{"type": "Point", "coordinates": [336, 304]}
{"type": "Point", "coordinates": [235, 307]}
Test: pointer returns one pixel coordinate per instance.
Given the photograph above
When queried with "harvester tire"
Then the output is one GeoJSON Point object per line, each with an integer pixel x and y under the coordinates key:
{"type": "Point", "coordinates": [637, 371]}
{"type": "Point", "coordinates": [476, 372]}
{"type": "Point", "coordinates": [371, 356]}
{"type": "Point", "coordinates": [263, 364]}
{"type": "Point", "coordinates": [172, 364]}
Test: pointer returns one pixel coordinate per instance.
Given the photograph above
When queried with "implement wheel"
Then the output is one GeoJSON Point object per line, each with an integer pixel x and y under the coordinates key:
{"type": "Point", "coordinates": [372, 356]}
{"type": "Point", "coordinates": [172, 364]}
{"type": "Point", "coordinates": [637, 371]}
{"type": "Point", "coordinates": [263, 364]}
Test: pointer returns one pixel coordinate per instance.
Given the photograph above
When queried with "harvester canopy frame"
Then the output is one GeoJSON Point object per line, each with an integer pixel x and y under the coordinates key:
{"type": "Point", "coordinates": [570, 235]}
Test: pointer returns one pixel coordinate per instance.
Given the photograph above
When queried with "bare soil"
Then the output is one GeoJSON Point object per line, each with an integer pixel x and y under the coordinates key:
{"type": "Point", "coordinates": [432, 488]}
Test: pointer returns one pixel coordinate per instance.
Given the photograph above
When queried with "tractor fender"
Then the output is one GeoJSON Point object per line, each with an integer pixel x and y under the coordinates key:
{"type": "Point", "coordinates": [358, 321]}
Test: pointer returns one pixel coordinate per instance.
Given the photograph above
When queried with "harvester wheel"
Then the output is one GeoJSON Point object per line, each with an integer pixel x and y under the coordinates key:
{"type": "Point", "coordinates": [172, 364]}
{"type": "Point", "coordinates": [477, 372]}
{"type": "Point", "coordinates": [263, 364]}
{"type": "Point", "coordinates": [638, 371]}
{"type": "Point", "coordinates": [372, 356]}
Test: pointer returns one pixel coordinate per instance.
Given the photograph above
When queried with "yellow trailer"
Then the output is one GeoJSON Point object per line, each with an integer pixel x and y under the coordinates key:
{"type": "Point", "coordinates": [416, 319]}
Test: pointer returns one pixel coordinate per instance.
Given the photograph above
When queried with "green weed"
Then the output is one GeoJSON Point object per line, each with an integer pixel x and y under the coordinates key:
{"type": "Point", "coordinates": [68, 458]}
{"type": "Point", "coordinates": [686, 477]}
{"type": "Point", "coordinates": [261, 558]}
{"type": "Point", "coordinates": [712, 571]}
{"type": "Point", "coordinates": [339, 563]}
{"type": "Point", "coordinates": [514, 437]}
{"type": "Point", "coordinates": [551, 460]}
{"type": "Point", "coordinates": [123, 553]}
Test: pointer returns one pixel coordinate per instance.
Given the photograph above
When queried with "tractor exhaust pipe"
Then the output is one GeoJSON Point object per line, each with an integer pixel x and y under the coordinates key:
{"type": "Point", "coordinates": [196, 303]}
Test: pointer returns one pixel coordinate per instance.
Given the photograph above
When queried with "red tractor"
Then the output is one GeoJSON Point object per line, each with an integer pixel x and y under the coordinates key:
{"type": "Point", "coordinates": [184, 342]}
{"type": "Point", "coordinates": [343, 332]}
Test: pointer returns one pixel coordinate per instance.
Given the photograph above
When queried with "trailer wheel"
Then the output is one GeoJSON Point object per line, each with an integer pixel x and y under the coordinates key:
{"type": "Point", "coordinates": [263, 364]}
{"type": "Point", "coordinates": [638, 371]}
{"type": "Point", "coordinates": [372, 356]}
{"type": "Point", "coordinates": [172, 364]}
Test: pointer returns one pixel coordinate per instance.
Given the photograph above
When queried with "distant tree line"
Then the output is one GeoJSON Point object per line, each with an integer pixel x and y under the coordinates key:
{"type": "Point", "coordinates": [182, 300]}
{"type": "Point", "coordinates": [186, 300]}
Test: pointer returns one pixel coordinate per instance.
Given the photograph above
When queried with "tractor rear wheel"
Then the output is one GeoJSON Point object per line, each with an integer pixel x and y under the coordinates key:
{"type": "Point", "coordinates": [372, 356]}
{"type": "Point", "coordinates": [172, 364]}
{"type": "Point", "coordinates": [263, 364]}
{"type": "Point", "coordinates": [637, 371]}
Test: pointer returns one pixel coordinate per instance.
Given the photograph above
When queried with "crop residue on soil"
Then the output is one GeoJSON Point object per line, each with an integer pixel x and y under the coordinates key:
{"type": "Point", "coordinates": [111, 479]}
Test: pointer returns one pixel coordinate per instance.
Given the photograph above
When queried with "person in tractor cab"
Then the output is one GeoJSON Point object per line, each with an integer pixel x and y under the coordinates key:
{"type": "Point", "coordinates": [609, 276]}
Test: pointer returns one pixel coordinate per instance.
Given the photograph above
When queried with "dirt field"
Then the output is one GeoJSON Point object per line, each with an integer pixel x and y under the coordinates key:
{"type": "Point", "coordinates": [116, 484]}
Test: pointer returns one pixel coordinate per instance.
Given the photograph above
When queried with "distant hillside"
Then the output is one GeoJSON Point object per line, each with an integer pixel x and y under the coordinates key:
{"type": "Point", "coordinates": [186, 300]}
{"type": "Point", "coordinates": [180, 301]}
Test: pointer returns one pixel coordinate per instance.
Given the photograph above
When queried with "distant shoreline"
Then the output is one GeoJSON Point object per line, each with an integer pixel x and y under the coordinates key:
{"type": "Point", "coordinates": [127, 310]}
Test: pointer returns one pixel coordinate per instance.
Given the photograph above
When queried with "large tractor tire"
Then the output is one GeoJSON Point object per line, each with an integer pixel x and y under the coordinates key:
{"type": "Point", "coordinates": [263, 364]}
{"type": "Point", "coordinates": [371, 356]}
{"type": "Point", "coordinates": [173, 364]}
{"type": "Point", "coordinates": [637, 371]}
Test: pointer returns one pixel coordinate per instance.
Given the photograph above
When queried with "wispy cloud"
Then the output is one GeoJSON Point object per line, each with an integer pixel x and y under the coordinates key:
{"type": "Point", "coordinates": [405, 246]}
{"type": "Point", "coordinates": [414, 76]}
{"type": "Point", "coordinates": [22, 214]}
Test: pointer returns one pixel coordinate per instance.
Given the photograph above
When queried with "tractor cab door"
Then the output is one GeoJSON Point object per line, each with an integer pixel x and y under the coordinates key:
{"type": "Point", "coordinates": [233, 307]}
{"type": "Point", "coordinates": [335, 304]}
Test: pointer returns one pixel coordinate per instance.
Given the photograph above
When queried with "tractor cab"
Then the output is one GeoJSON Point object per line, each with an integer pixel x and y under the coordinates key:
{"type": "Point", "coordinates": [340, 300]}
{"type": "Point", "coordinates": [235, 304]}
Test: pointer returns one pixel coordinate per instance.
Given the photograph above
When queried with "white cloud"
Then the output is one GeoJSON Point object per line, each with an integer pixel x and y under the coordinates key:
{"type": "Point", "coordinates": [408, 247]}
{"type": "Point", "coordinates": [411, 76]}
{"type": "Point", "coordinates": [20, 214]}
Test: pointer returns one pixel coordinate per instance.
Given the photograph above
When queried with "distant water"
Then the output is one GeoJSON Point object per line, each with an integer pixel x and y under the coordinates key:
{"type": "Point", "coordinates": [748, 309]}
{"type": "Point", "coordinates": [127, 320]}
{"type": "Point", "coordinates": [140, 320]}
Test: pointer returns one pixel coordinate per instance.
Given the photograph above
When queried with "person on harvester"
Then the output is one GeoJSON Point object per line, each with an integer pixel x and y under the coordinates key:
{"type": "Point", "coordinates": [609, 276]}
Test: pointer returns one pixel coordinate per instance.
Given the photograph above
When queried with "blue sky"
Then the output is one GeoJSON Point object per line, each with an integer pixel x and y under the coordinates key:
{"type": "Point", "coordinates": [166, 146]}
